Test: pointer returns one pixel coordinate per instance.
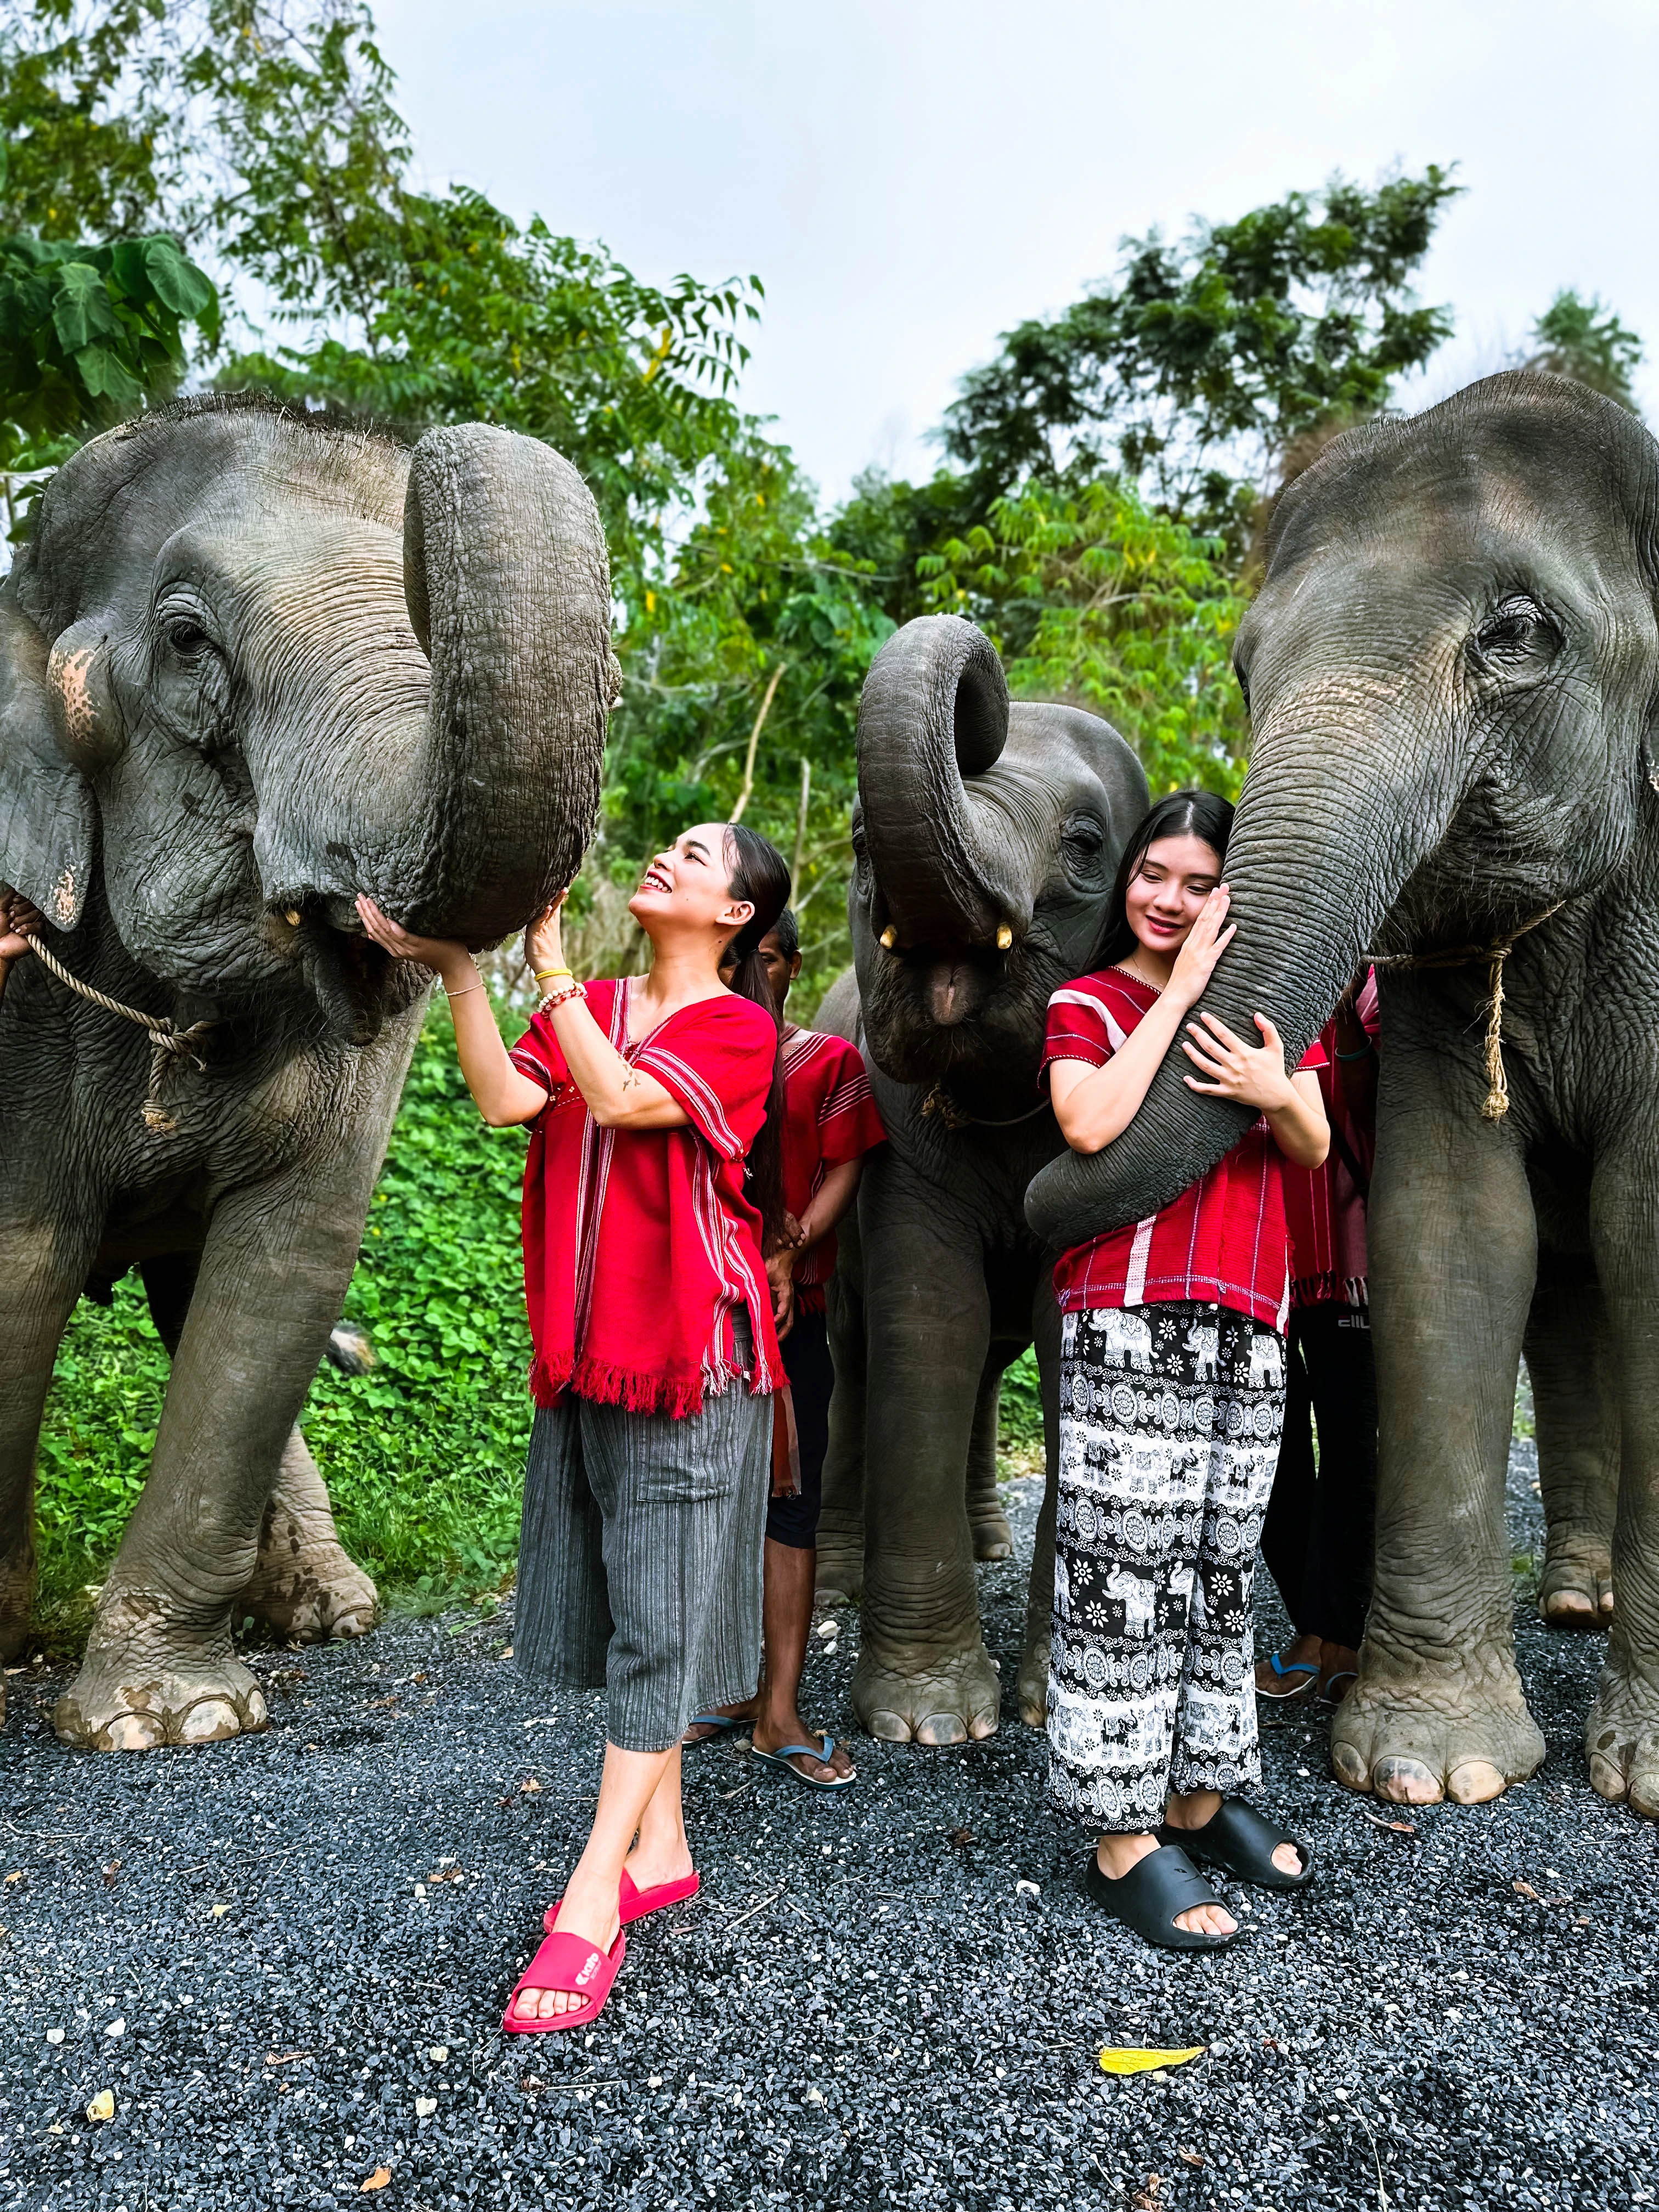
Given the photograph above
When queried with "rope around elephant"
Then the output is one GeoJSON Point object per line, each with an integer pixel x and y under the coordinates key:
{"type": "Point", "coordinates": [1497, 1088]}
{"type": "Point", "coordinates": [167, 1041]}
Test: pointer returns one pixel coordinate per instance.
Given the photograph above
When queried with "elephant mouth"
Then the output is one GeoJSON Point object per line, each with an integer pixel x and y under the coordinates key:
{"type": "Point", "coordinates": [348, 975]}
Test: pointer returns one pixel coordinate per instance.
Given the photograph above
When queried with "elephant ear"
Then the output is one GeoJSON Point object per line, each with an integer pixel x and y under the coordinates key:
{"type": "Point", "coordinates": [47, 816]}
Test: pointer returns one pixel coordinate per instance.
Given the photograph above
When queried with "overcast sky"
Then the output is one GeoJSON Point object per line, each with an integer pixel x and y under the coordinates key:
{"type": "Point", "coordinates": [909, 179]}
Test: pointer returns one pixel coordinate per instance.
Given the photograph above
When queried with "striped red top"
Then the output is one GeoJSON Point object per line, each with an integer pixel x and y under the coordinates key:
{"type": "Point", "coordinates": [640, 1244]}
{"type": "Point", "coordinates": [1224, 1241]}
{"type": "Point", "coordinates": [829, 1117]}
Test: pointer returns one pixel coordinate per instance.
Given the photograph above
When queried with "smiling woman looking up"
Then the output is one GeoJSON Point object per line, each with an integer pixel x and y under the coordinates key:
{"type": "Point", "coordinates": [655, 1352]}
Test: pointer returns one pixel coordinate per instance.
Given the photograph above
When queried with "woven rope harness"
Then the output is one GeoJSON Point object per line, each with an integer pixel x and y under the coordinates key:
{"type": "Point", "coordinates": [167, 1041]}
{"type": "Point", "coordinates": [1498, 1089]}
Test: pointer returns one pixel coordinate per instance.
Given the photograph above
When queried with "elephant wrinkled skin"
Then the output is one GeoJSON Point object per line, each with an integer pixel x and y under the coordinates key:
{"type": "Point", "coordinates": [1453, 675]}
{"type": "Point", "coordinates": [251, 666]}
{"type": "Point", "coordinates": [985, 838]}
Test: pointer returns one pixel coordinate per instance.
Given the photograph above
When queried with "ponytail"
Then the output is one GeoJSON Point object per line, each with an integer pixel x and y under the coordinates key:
{"type": "Point", "coordinates": [758, 873]}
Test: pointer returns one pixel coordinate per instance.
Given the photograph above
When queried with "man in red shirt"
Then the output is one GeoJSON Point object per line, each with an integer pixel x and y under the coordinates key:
{"type": "Point", "coordinates": [830, 1121]}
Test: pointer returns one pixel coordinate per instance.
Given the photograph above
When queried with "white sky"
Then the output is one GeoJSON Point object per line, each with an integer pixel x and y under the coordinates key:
{"type": "Point", "coordinates": [910, 179]}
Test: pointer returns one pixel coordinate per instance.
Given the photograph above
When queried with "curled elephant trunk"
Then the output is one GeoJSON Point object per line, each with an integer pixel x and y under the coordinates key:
{"type": "Point", "coordinates": [933, 717]}
{"type": "Point", "coordinates": [1330, 826]}
{"type": "Point", "coordinates": [467, 812]}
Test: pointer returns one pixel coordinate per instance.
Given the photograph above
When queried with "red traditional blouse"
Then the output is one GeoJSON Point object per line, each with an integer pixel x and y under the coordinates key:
{"type": "Point", "coordinates": [1325, 1206]}
{"type": "Point", "coordinates": [829, 1117]}
{"type": "Point", "coordinates": [1223, 1242]}
{"type": "Point", "coordinates": [640, 1244]}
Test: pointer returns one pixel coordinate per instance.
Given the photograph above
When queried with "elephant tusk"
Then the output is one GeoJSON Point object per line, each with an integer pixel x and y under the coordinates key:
{"type": "Point", "coordinates": [1004, 937]}
{"type": "Point", "coordinates": [292, 917]}
{"type": "Point", "coordinates": [889, 937]}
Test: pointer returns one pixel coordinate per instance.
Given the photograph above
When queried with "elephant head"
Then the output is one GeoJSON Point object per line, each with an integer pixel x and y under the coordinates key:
{"type": "Point", "coordinates": [252, 665]}
{"type": "Point", "coordinates": [1452, 671]}
{"type": "Point", "coordinates": [986, 837]}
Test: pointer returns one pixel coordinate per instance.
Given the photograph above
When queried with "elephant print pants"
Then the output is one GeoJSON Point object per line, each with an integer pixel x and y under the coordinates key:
{"type": "Point", "coordinates": [1170, 1420]}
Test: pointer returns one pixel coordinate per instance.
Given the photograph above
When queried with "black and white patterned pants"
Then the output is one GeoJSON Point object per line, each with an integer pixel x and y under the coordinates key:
{"type": "Point", "coordinates": [1170, 1420]}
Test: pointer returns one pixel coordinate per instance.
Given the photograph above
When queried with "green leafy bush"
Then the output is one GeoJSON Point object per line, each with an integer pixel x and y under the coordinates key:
{"type": "Point", "coordinates": [423, 1455]}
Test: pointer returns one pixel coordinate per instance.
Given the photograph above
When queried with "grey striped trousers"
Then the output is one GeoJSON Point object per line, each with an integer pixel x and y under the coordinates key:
{"type": "Point", "coordinates": [639, 1562]}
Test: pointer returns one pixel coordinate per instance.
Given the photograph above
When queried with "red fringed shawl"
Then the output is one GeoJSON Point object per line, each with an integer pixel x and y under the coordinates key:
{"type": "Point", "coordinates": [639, 1244]}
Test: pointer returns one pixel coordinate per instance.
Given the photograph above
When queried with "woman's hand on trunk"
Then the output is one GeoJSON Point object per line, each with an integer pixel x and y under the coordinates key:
{"type": "Point", "coordinates": [543, 941]}
{"type": "Point", "coordinates": [1254, 1075]}
{"type": "Point", "coordinates": [1206, 940]}
{"type": "Point", "coordinates": [446, 957]}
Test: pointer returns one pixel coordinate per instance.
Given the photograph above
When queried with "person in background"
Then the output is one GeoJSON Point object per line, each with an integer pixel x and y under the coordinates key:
{"type": "Point", "coordinates": [655, 1351]}
{"type": "Point", "coordinates": [830, 1123]}
{"type": "Point", "coordinates": [17, 919]}
{"type": "Point", "coordinates": [1171, 1395]}
{"type": "Point", "coordinates": [1317, 1538]}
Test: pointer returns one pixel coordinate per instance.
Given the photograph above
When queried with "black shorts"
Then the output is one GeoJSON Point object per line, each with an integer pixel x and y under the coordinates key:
{"type": "Point", "coordinates": [795, 1521]}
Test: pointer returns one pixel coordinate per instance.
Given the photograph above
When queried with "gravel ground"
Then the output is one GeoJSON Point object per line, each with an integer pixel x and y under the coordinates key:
{"type": "Point", "coordinates": [286, 1958]}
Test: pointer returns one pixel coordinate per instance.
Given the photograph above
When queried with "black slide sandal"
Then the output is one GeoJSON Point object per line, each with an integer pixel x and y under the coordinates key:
{"type": "Point", "coordinates": [1147, 1899]}
{"type": "Point", "coordinates": [1238, 1837]}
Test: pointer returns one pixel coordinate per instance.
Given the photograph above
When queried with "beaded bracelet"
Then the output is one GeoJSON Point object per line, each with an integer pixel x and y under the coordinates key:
{"type": "Point", "coordinates": [559, 998]}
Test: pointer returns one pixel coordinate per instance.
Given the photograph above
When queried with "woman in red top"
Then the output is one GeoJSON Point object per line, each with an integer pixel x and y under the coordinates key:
{"type": "Point", "coordinates": [1171, 1396]}
{"type": "Point", "coordinates": [655, 1352]}
{"type": "Point", "coordinates": [830, 1123]}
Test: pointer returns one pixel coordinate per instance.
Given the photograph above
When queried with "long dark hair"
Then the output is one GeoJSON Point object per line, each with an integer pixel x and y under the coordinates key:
{"type": "Point", "coordinates": [1181, 814]}
{"type": "Point", "coordinates": [758, 872]}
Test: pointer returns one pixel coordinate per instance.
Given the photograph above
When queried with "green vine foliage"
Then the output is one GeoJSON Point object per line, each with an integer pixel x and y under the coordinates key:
{"type": "Point", "coordinates": [1095, 597]}
{"type": "Point", "coordinates": [424, 1454]}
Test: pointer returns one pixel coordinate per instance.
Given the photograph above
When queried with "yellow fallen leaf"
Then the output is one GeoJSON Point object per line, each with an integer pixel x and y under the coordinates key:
{"type": "Point", "coordinates": [102, 2106]}
{"type": "Point", "coordinates": [220, 1911]}
{"type": "Point", "coordinates": [1118, 2059]}
{"type": "Point", "coordinates": [378, 2180]}
{"type": "Point", "coordinates": [1524, 1889]}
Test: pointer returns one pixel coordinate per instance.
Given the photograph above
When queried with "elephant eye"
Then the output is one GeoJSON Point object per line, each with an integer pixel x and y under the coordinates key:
{"type": "Point", "coordinates": [1082, 841]}
{"type": "Point", "coordinates": [186, 638]}
{"type": "Point", "coordinates": [1515, 636]}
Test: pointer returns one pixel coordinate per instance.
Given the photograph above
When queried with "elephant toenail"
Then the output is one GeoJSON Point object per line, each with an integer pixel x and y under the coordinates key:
{"type": "Point", "coordinates": [890, 1728]}
{"type": "Point", "coordinates": [1476, 1782]}
{"type": "Point", "coordinates": [133, 1732]}
{"type": "Point", "coordinates": [1406, 1782]}
{"type": "Point", "coordinates": [210, 1720]}
{"type": "Point", "coordinates": [1349, 1767]}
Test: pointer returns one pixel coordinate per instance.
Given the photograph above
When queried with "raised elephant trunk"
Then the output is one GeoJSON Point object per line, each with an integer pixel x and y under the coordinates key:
{"type": "Point", "coordinates": [1338, 811]}
{"type": "Point", "coordinates": [933, 717]}
{"type": "Point", "coordinates": [472, 809]}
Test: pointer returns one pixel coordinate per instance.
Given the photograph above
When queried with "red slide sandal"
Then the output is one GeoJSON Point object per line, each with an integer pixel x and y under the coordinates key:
{"type": "Point", "coordinates": [575, 1967]}
{"type": "Point", "coordinates": [633, 1904]}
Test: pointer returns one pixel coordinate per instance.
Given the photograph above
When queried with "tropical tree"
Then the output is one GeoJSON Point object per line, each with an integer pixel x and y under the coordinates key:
{"type": "Point", "coordinates": [1583, 339]}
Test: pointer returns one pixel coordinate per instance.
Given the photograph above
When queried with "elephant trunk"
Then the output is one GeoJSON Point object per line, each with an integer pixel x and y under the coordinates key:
{"type": "Point", "coordinates": [462, 805]}
{"type": "Point", "coordinates": [1332, 821]}
{"type": "Point", "coordinates": [934, 716]}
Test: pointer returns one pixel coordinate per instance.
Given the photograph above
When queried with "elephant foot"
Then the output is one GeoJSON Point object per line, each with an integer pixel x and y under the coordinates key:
{"type": "Point", "coordinates": [1449, 1738]}
{"type": "Point", "coordinates": [1576, 1588]}
{"type": "Point", "coordinates": [16, 1603]}
{"type": "Point", "coordinates": [993, 1538]}
{"type": "Point", "coordinates": [839, 1566]}
{"type": "Point", "coordinates": [1621, 1739]}
{"type": "Point", "coordinates": [925, 1696]}
{"type": "Point", "coordinates": [308, 1591]}
{"type": "Point", "coordinates": [146, 1681]}
{"type": "Point", "coordinates": [1033, 1684]}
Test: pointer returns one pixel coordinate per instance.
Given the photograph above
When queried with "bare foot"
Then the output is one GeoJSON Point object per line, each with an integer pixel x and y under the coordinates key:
{"type": "Point", "coordinates": [583, 1913]}
{"type": "Point", "coordinates": [1338, 1666]}
{"type": "Point", "coordinates": [1304, 1652]}
{"type": "Point", "coordinates": [771, 1734]}
{"type": "Point", "coordinates": [1115, 1855]}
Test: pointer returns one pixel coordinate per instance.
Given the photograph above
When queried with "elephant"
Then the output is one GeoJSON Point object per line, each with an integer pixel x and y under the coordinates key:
{"type": "Point", "coordinates": [251, 663]}
{"type": "Point", "coordinates": [985, 838]}
{"type": "Point", "coordinates": [1452, 673]}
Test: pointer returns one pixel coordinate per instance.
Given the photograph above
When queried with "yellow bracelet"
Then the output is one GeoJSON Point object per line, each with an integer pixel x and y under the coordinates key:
{"type": "Point", "coordinates": [541, 975]}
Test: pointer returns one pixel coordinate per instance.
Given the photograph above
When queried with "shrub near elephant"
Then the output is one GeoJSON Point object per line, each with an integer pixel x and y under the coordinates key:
{"type": "Point", "coordinates": [986, 837]}
{"type": "Point", "coordinates": [1453, 674]}
{"type": "Point", "coordinates": [252, 665]}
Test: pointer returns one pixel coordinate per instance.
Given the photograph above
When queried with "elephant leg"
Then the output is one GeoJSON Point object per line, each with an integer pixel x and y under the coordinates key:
{"type": "Point", "coordinates": [159, 1665]}
{"type": "Point", "coordinates": [993, 1538]}
{"type": "Point", "coordinates": [1574, 1395]}
{"type": "Point", "coordinates": [305, 1587]}
{"type": "Point", "coordinates": [840, 1521]}
{"type": "Point", "coordinates": [1621, 1734]}
{"type": "Point", "coordinates": [1039, 1592]}
{"type": "Point", "coordinates": [924, 1674]}
{"type": "Point", "coordinates": [1438, 1709]}
{"type": "Point", "coordinates": [43, 1265]}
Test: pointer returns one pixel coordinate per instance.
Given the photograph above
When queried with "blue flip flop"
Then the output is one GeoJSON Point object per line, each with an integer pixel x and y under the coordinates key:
{"type": "Point", "coordinates": [1297, 1666]}
{"type": "Point", "coordinates": [786, 1751]}
{"type": "Point", "coordinates": [721, 1725]}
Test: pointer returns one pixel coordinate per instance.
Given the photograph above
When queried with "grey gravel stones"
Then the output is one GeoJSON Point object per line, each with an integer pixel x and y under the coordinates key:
{"type": "Point", "coordinates": [309, 1937]}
